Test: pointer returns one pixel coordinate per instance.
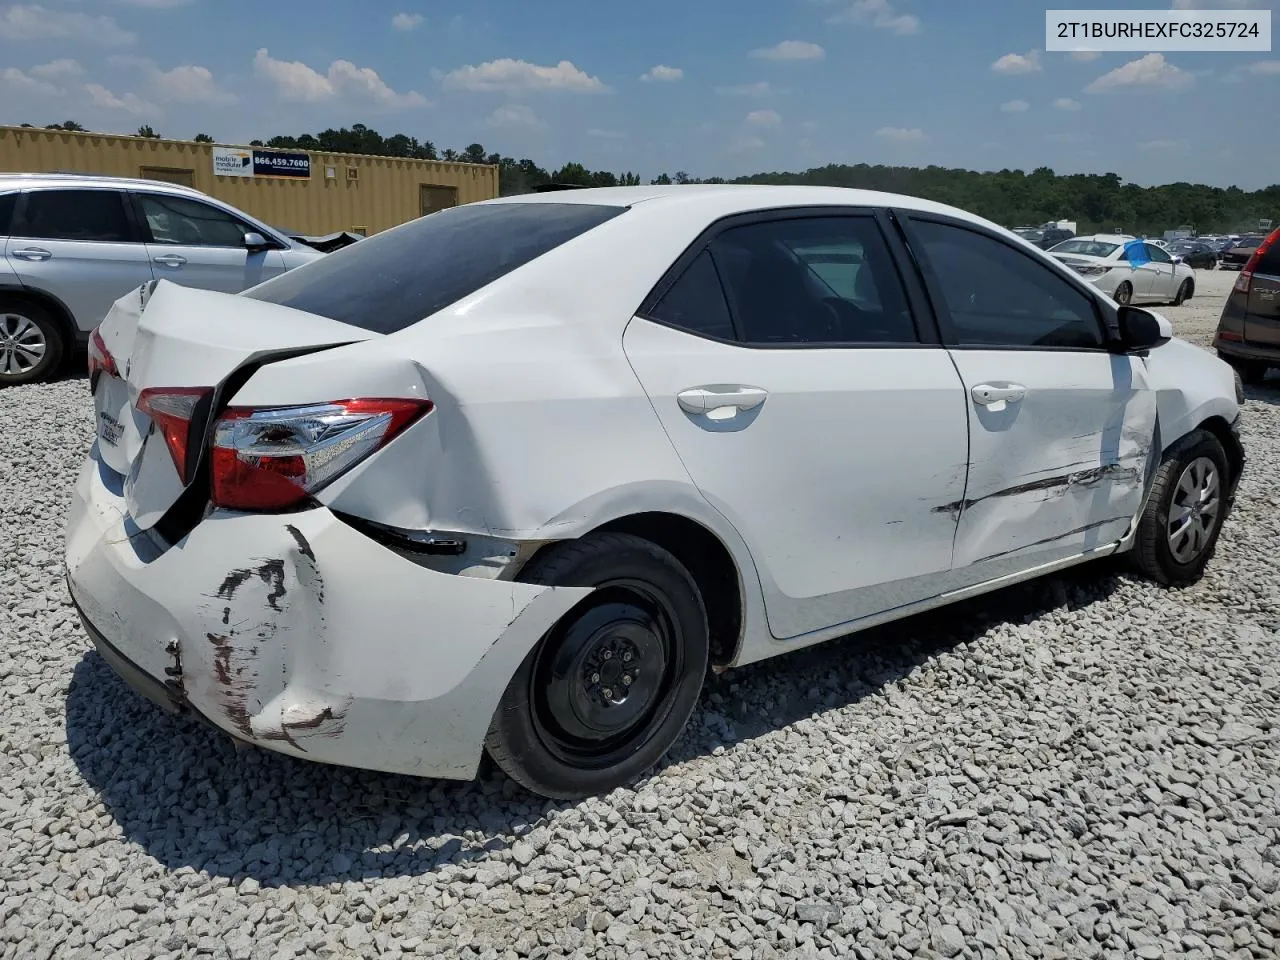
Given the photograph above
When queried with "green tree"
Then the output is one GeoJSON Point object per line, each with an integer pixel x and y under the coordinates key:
{"type": "Point", "coordinates": [202, 138]}
{"type": "Point", "coordinates": [146, 131]}
{"type": "Point", "coordinates": [69, 125]}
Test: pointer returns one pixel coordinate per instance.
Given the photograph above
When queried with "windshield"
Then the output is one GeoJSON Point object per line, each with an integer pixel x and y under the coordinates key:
{"type": "Point", "coordinates": [1087, 248]}
{"type": "Point", "coordinates": [396, 278]}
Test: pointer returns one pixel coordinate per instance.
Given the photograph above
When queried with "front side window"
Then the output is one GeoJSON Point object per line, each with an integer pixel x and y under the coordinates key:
{"type": "Point", "coordinates": [998, 296]}
{"type": "Point", "coordinates": [822, 280]}
{"type": "Point", "coordinates": [190, 223]}
{"type": "Point", "coordinates": [1157, 254]}
{"type": "Point", "coordinates": [403, 275]}
{"type": "Point", "coordinates": [88, 215]}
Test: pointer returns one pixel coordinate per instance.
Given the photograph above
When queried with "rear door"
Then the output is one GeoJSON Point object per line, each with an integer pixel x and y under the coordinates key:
{"type": "Point", "coordinates": [200, 245]}
{"type": "Point", "coordinates": [1060, 428]}
{"type": "Point", "coordinates": [783, 356]}
{"type": "Point", "coordinates": [80, 246]}
{"type": "Point", "coordinates": [1262, 317]}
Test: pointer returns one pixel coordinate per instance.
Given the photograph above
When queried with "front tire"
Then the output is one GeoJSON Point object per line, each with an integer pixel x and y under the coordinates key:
{"type": "Point", "coordinates": [1185, 511]}
{"type": "Point", "coordinates": [31, 345]}
{"type": "Point", "coordinates": [1183, 294]}
{"type": "Point", "coordinates": [1124, 293]}
{"type": "Point", "coordinates": [611, 686]}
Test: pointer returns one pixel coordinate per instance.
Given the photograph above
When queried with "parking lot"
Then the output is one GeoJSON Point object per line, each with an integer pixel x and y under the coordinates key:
{"type": "Point", "coordinates": [1084, 766]}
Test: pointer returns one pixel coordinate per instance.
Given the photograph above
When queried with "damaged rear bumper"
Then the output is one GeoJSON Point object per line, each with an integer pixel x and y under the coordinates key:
{"type": "Point", "coordinates": [298, 633]}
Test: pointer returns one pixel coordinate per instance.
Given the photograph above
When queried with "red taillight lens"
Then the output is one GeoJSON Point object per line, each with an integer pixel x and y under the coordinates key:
{"type": "Point", "coordinates": [100, 360]}
{"type": "Point", "coordinates": [1244, 282]}
{"type": "Point", "coordinates": [272, 458]}
{"type": "Point", "coordinates": [171, 410]}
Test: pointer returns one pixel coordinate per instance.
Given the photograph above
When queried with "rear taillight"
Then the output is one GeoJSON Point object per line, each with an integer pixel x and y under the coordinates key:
{"type": "Point", "coordinates": [100, 360]}
{"type": "Point", "coordinates": [172, 409]}
{"type": "Point", "coordinates": [273, 458]}
{"type": "Point", "coordinates": [1244, 282]}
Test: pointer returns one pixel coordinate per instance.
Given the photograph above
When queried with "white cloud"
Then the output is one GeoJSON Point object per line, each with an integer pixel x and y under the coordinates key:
{"type": "Point", "coordinates": [761, 89]}
{"type": "Point", "coordinates": [1084, 56]}
{"type": "Point", "coordinates": [404, 22]}
{"type": "Point", "coordinates": [156, 4]}
{"type": "Point", "coordinates": [188, 84]}
{"type": "Point", "coordinates": [790, 50]}
{"type": "Point", "coordinates": [519, 75]}
{"type": "Point", "coordinates": [1018, 62]}
{"type": "Point", "coordinates": [1261, 67]}
{"type": "Point", "coordinates": [100, 96]}
{"type": "Point", "coordinates": [1152, 70]}
{"type": "Point", "coordinates": [1066, 103]}
{"type": "Point", "coordinates": [746, 144]}
{"type": "Point", "coordinates": [21, 84]}
{"type": "Point", "coordinates": [881, 14]}
{"type": "Point", "coordinates": [296, 81]}
{"type": "Point", "coordinates": [1015, 106]}
{"type": "Point", "coordinates": [901, 134]}
{"type": "Point", "coordinates": [515, 115]}
{"type": "Point", "coordinates": [34, 22]}
{"type": "Point", "coordinates": [63, 69]}
{"type": "Point", "coordinates": [662, 74]}
{"type": "Point", "coordinates": [764, 118]}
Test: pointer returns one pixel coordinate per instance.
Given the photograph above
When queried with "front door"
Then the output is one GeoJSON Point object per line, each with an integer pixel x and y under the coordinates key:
{"type": "Point", "coordinates": [1060, 428]}
{"type": "Point", "coordinates": [200, 245]}
{"type": "Point", "coordinates": [810, 412]}
{"type": "Point", "coordinates": [1163, 285]}
{"type": "Point", "coordinates": [78, 246]}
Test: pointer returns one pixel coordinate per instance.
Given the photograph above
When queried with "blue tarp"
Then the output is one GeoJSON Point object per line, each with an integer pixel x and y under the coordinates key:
{"type": "Point", "coordinates": [1135, 251]}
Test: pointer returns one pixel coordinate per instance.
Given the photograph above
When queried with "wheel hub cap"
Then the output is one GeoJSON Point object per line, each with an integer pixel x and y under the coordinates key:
{"type": "Point", "coordinates": [22, 344]}
{"type": "Point", "coordinates": [1194, 511]}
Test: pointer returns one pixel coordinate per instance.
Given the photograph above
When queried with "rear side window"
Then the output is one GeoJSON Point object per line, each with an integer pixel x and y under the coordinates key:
{"type": "Point", "coordinates": [1268, 263]}
{"type": "Point", "coordinates": [86, 215]}
{"type": "Point", "coordinates": [8, 201]}
{"type": "Point", "coordinates": [396, 278]}
{"type": "Point", "coordinates": [696, 303]}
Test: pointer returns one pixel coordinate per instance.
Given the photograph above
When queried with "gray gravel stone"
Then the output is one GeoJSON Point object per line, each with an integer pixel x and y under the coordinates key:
{"type": "Point", "coordinates": [1086, 767]}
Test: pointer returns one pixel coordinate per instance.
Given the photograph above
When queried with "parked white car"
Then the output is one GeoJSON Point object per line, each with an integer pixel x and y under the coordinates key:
{"type": "Point", "coordinates": [1102, 260]}
{"type": "Point", "coordinates": [515, 475]}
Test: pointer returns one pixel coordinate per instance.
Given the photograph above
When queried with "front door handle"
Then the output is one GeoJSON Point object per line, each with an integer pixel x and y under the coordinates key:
{"type": "Point", "coordinates": [720, 401]}
{"type": "Point", "coordinates": [994, 396]}
{"type": "Point", "coordinates": [34, 254]}
{"type": "Point", "coordinates": [169, 260]}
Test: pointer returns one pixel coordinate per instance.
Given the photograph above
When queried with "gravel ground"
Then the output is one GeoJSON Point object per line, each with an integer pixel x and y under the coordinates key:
{"type": "Point", "coordinates": [1082, 767]}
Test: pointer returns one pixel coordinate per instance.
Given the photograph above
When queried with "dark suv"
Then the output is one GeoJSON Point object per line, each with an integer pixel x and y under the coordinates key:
{"type": "Point", "coordinates": [1248, 334]}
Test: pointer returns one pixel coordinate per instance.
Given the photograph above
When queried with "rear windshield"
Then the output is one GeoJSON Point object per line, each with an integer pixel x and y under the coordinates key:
{"type": "Point", "coordinates": [396, 278]}
{"type": "Point", "coordinates": [8, 201]}
{"type": "Point", "coordinates": [1088, 248]}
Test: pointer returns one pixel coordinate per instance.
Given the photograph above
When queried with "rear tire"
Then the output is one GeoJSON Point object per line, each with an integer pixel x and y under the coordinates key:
{"type": "Point", "coordinates": [1252, 372]}
{"type": "Point", "coordinates": [31, 343]}
{"type": "Point", "coordinates": [1124, 293]}
{"type": "Point", "coordinates": [1185, 511]}
{"type": "Point", "coordinates": [1184, 293]}
{"type": "Point", "coordinates": [611, 686]}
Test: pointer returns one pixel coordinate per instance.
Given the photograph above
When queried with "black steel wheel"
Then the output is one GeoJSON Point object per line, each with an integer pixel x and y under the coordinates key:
{"type": "Point", "coordinates": [610, 687]}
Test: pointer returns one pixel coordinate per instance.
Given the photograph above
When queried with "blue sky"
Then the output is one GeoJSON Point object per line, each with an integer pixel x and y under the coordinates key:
{"type": "Point", "coordinates": [713, 87]}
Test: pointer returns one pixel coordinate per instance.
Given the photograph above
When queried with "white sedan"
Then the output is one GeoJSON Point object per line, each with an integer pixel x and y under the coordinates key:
{"type": "Point", "coordinates": [1105, 262]}
{"type": "Point", "coordinates": [514, 476]}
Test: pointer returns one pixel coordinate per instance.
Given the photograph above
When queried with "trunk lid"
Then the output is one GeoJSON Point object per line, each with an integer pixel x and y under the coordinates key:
{"type": "Point", "coordinates": [164, 335]}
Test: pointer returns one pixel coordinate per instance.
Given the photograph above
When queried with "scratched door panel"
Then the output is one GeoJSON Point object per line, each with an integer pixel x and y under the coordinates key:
{"type": "Point", "coordinates": [1059, 472]}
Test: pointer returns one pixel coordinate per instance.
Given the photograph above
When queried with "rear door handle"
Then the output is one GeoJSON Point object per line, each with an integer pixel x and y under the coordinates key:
{"type": "Point", "coordinates": [713, 399]}
{"type": "Point", "coordinates": [169, 260]}
{"type": "Point", "coordinates": [995, 396]}
{"type": "Point", "coordinates": [35, 254]}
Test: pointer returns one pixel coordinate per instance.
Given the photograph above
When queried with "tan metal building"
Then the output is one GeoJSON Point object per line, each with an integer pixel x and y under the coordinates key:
{"type": "Point", "coordinates": [314, 193]}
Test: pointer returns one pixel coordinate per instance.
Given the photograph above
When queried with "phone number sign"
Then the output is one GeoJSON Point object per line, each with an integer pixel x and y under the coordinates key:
{"type": "Point", "coordinates": [232, 162]}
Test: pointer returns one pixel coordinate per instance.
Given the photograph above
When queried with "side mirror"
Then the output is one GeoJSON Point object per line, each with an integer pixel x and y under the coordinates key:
{"type": "Point", "coordinates": [1140, 330]}
{"type": "Point", "coordinates": [253, 242]}
{"type": "Point", "coordinates": [1177, 259]}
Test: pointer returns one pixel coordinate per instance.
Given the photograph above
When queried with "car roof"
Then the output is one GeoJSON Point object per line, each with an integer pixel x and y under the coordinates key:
{"type": "Point", "coordinates": [23, 180]}
{"type": "Point", "coordinates": [725, 199]}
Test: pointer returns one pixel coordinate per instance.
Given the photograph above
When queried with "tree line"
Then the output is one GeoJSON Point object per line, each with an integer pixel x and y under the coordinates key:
{"type": "Point", "coordinates": [1096, 202]}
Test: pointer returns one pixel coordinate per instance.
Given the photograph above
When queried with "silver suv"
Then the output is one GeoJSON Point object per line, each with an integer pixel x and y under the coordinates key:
{"type": "Point", "coordinates": [71, 245]}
